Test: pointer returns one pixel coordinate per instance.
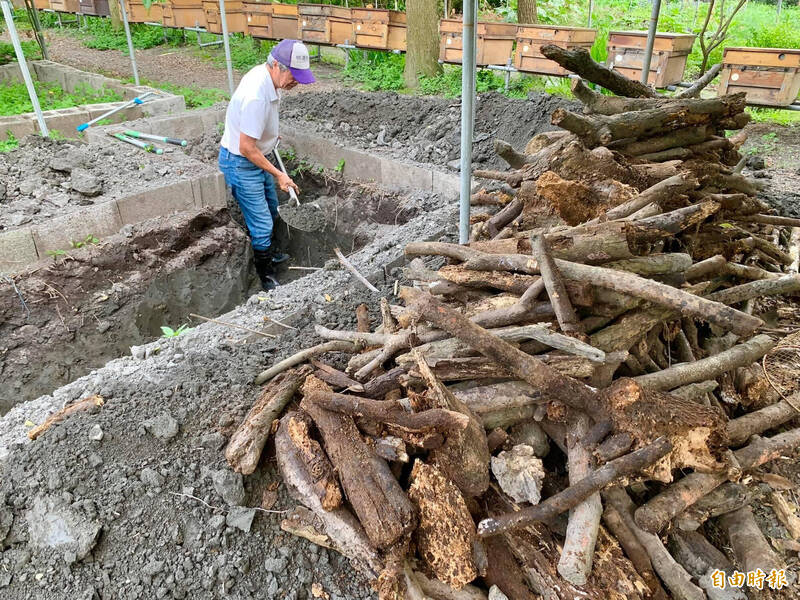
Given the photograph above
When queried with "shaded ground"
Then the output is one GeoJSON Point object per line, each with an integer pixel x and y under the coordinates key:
{"type": "Point", "coordinates": [779, 147]}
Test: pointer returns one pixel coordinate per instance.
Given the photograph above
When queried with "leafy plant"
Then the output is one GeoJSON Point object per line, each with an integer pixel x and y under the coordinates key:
{"type": "Point", "coordinates": [170, 332]}
{"type": "Point", "coordinates": [89, 239]}
{"type": "Point", "coordinates": [195, 97]}
{"type": "Point", "coordinates": [339, 166]}
{"type": "Point", "coordinates": [29, 48]}
{"type": "Point", "coordinates": [14, 98]}
{"type": "Point", "coordinates": [9, 144]}
{"type": "Point", "coordinates": [54, 254]}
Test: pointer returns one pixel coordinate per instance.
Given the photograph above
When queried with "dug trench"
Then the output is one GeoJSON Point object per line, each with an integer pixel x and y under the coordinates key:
{"type": "Point", "coordinates": [71, 314]}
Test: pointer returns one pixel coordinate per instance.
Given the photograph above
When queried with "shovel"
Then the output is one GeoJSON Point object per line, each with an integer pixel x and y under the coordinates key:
{"type": "Point", "coordinates": [306, 217]}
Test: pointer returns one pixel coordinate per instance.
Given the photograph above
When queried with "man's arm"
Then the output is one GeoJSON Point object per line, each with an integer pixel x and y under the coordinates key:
{"type": "Point", "coordinates": [248, 149]}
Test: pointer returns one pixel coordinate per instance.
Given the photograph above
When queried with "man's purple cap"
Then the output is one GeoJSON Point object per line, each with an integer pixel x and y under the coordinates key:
{"type": "Point", "coordinates": [294, 54]}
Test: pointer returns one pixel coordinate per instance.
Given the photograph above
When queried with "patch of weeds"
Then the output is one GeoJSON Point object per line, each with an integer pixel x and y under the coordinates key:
{"type": "Point", "coordinates": [246, 52]}
{"type": "Point", "coordinates": [14, 98]}
{"type": "Point", "coordinates": [775, 115]}
{"type": "Point", "coordinates": [89, 239]}
{"type": "Point", "coordinates": [99, 34]}
{"type": "Point", "coordinates": [54, 254]}
{"type": "Point", "coordinates": [376, 71]}
{"type": "Point", "coordinates": [195, 97]}
{"type": "Point", "coordinates": [169, 332]}
{"type": "Point", "coordinates": [30, 49]}
{"type": "Point", "coordinates": [9, 144]}
{"type": "Point", "coordinates": [768, 144]}
{"type": "Point", "coordinates": [339, 166]}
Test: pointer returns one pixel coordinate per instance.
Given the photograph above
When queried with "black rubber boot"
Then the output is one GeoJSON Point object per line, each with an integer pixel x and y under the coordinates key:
{"type": "Point", "coordinates": [262, 259]}
{"type": "Point", "coordinates": [278, 257]}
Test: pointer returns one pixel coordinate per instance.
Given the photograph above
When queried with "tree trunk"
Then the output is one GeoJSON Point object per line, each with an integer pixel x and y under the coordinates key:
{"type": "Point", "coordinates": [526, 11]}
{"type": "Point", "coordinates": [422, 52]}
{"type": "Point", "coordinates": [116, 15]}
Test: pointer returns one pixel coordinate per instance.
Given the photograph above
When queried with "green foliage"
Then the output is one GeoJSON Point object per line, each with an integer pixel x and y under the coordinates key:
{"type": "Point", "coordinates": [9, 144]}
{"type": "Point", "coordinates": [195, 97]}
{"type": "Point", "coordinates": [30, 49]}
{"type": "Point", "coordinates": [170, 332]}
{"type": "Point", "coordinates": [54, 254]}
{"type": "Point", "coordinates": [89, 239]}
{"type": "Point", "coordinates": [376, 70]}
{"type": "Point", "coordinates": [773, 115]}
{"type": "Point", "coordinates": [100, 35]}
{"type": "Point", "coordinates": [14, 98]}
{"type": "Point", "coordinates": [246, 52]}
{"type": "Point", "coordinates": [339, 166]}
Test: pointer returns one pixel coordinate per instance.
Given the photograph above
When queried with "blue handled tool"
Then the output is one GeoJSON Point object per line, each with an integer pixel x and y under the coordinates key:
{"type": "Point", "coordinates": [128, 104]}
{"type": "Point", "coordinates": [155, 138]}
{"type": "Point", "coordinates": [139, 144]}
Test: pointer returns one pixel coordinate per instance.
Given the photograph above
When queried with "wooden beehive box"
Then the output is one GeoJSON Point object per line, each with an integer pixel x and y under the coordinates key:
{"type": "Point", "coordinates": [530, 39]}
{"type": "Point", "coordinates": [371, 27]}
{"type": "Point", "coordinates": [495, 43]}
{"type": "Point", "coordinates": [138, 13]}
{"type": "Point", "coordinates": [767, 76]}
{"type": "Point", "coordinates": [66, 6]}
{"type": "Point", "coordinates": [325, 24]}
{"type": "Point", "coordinates": [397, 30]}
{"type": "Point", "coordinates": [285, 22]}
{"type": "Point", "coordinates": [258, 16]}
{"type": "Point", "coordinates": [40, 4]}
{"type": "Point", "coordinates": [234, 16]}
{"type": "Point", "coordinates": [96, 8]}
{"type": "Point", "coordinates": [183, 13]}
{"type": "Point", "coordinates": [626, 54]}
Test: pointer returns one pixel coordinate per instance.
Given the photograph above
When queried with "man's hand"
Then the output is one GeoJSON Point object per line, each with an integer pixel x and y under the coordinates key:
{"type": "Point", "coordinates": [285, 182]}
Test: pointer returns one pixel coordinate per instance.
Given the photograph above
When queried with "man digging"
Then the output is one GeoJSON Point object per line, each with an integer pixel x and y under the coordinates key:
{"type": "Point", "coordinates": [251, 132]}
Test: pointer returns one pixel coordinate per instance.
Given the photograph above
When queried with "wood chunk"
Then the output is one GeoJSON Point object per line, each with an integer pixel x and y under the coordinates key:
{"type": "Point", "coordinates": [377, 499]}
{"type": "Point", "coordinates": [519, 473]}
{"type": "Point", "coordinates": [446, 531]}
{"type": "Point", "coordinates": [751, 549]}
{"type": "Point", "coordinates": [726, 498]}
{"type": "Point", "coordinates": [785, 512]}
{"type": "Point", "coordinates": [59, 416]}
{"type": "Point", "coordinates": [317, 465]}
{"type": "Point", "coordinates": [245, 446]}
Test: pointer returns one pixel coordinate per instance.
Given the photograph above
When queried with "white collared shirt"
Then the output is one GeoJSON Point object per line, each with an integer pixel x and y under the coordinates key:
{"type": "Point", "coordinates": [253, 110]}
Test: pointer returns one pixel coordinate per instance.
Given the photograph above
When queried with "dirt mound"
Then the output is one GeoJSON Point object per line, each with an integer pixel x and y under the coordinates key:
{"type": "Point", "coordinates": [45, 177]}
{"type": "Point", "coordinates": [422, 129]}
{"type": "Point", "coordinates": [93, 303]}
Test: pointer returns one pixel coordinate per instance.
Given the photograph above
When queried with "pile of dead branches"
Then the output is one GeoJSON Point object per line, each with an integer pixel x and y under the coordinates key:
{"type": "Point", "coordinates": [592, 355]}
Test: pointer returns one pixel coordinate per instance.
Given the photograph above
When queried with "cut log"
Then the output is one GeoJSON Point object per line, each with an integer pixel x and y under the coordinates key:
{"type": "Point", "coordinates": [464, 456]}
{"type": "Point", "coordinates": [503, 217]}
{"type": "Point", "coordinates": [694, 90]}
{"type": "Point", "coordinates": [772, 220]}
{"type": "Point", "coordinates": [726, 498]}
{"type": "Point", "coordinates": [674, 139]}
{"type": "Point", "coordinates": [446, 532]}
{"type": "Point", "coordinates": [524, 366]}
{"type": "Point", "coordinates": [654, 515]}
{"type": "Point", "coordinates": [362, 318]}
{"type": "Point", "coordinates": [751, 549]}
{"type": "Point", "coordinates": [302, 356]}
{"type": "Point", "coordinates": [635, 551]}
{"type": "Point", "coordinates": [708, 368]}
{"type": "Point", "coordinates": [377, 499]}
{"type": "Point", "coordinates": [556, 290]}
{"type": "Point", "coordinates": [335, 377]}
{"type": "Point", "coordinates": [709, 266]}
{"type": "Point", "coordinates": [243, 451]}
{"type": "Point", "coordinates": [613, 447]}
{"type": "Point", "coordinates": [575, 564]}
{"type": "Point", "coordinates": [785, 513]}
{"type": "Point", "coordinates": [504, 571]}
{"type": "Point", "coordinates": [653, 265]}
{"type": "Point", "coordinates": [700, 559]}
{"type": "Point", "coordinates": [579, 61]}
{"type": "Point", "coordinates": [674, 576]}
{"type": "Point", "coordinates": [317, 465]}
{"type": "Point", "coordinates": [742, 429]}
{"type": "Point", "coordinates": [436, 590]}
{"type": "Point", "coordinates": [343, 529]}
{"type": "Point", "coordinates": [574, 494]}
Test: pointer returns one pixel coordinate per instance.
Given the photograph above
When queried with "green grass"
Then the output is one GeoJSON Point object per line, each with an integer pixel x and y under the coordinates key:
{"type": "Point", "coordinates": [9, 144]}
{"type": "Point", "coordinates": [14, 98]}
{"type": "Point", "coordinates": [246, 52]}
{"type": "Point", "coordinates": [30, 49]}
{"type": "Point", "coordinates": [100, 35]}
{"type": "Point", "coordinates": [772, 115]}
{"type": "Point", "coordinates": [195, 97]}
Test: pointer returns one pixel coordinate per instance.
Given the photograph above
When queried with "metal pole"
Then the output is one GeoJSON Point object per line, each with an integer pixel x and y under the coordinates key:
{"type": "Point", "coordinates": [591, 10]}
{"type": "Point", "coordinates": [778, 15]}
{"type": "Point", "coordinates": [445, 10]}
{"type": "Point", "coordinates": [23, 66]}
{"type": "Point", "coordinates": [124, 14]}
{"type": "Point", "coordinates": [467, 115]}
{"type": "Point", "coordinates": [37, 28]}
{"type": "Point", "coordinates": [226, 44]}
{"type": "Point", "coordinates": [651, 40]}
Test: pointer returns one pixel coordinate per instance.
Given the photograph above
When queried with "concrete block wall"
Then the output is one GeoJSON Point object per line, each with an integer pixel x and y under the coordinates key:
{"type": "Point", "coordinates": [65, 121]}
{"type": "Point", "coordinates": [21, 247]}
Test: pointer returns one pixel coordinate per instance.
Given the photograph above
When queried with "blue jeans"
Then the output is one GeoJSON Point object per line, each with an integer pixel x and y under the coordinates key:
{"type": "Point", "coordinates": [254, 190]}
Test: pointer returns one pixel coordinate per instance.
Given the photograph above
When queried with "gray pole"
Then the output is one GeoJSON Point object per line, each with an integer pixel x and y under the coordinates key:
{"type": "Point", "coordinates": [227, 45]}
{"type": "Point", "coordinates": [778, 16]}
{"type": "Point", "coordinates": [124, 14]}
{"type": "Point", "coordinates": [651, 40]}
{"type": "Point", "coordinates": [23, 66]}
{"type": "Point", "coordinates": [591, 9]}
{"type": "Point", "coordinates": [467, 115]}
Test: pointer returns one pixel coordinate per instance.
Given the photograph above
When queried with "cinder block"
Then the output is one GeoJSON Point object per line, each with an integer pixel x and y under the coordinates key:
{"type": "Point", "coordinates": [66, 120]}
{"type": "Point", "coordinates": [212, 190]}
{"type": "Point", "coordinates": [51, 72]}
{"type": "Point", "coordinates": [321, 151]}
{"type": "Point", "coordinates": [396, 174]}
{"type": "Point", "coordinates": [156, 202]}
{"type": "Point", "coordinates": [169, 104]}
{"type": "Point", "coordinates": [447, 185]}
{"type": "Point", "coordinates": [10, 73]}
{"type": "Point", "coordinates": [17, 125]}
{"type": "Point", "coordinates": [17, 249]}
{"type": "Point", "coordinates": [99, 220]}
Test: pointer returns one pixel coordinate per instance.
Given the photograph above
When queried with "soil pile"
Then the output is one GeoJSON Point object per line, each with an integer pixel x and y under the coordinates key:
{"type": "Point", "coordinates": [422, 129]}
{"type": "Point", "coordinates": [46, 177]}
{"type": "Point", "coordinates": [93, 303]}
